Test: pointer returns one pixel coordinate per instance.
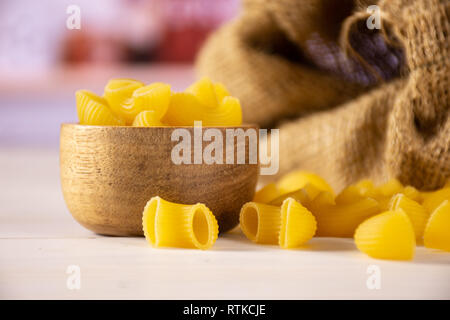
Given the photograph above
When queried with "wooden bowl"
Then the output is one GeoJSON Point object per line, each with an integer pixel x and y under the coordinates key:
{"type": "Point", "coordinates": [109, 173]}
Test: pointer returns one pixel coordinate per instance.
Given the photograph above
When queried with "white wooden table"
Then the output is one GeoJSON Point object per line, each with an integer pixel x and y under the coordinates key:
{"type": "Point", "coordinates": [39, 240]}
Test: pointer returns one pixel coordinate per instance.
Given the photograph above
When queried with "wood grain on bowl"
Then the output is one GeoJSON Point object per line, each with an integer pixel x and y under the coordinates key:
{"type": "Point", "coordinates": [109, 173]}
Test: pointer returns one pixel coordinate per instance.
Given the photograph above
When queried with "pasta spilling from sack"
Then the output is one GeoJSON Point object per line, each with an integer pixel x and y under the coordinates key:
{"type": "Point", "coordinates": [168, 224]}
{"type": "Point", "coordinates": [437, 231]}
{"type": "Point", "coordinates": [386, 219]}
{"type": "Point", "coordinates": [289, 226]}
{"type": "Point", "coordinates": [124, 101]}
{"type": "Point", "coordinates": [389, 235]}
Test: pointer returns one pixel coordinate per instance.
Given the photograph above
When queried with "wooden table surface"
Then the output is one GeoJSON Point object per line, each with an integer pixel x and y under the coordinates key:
{"type": "Point", "coordinates": [39, 240]}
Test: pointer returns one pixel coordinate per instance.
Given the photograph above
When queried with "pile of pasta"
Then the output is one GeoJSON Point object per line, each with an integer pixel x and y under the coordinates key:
{"type": "Point", "coordinates": [385, 221]}
{"type": "Point", "coordinates": [128, 102]}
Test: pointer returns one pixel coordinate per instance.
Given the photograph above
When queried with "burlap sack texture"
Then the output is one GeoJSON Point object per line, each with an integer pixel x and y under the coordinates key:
{"type": "Point", "coordinates": [351, 103]}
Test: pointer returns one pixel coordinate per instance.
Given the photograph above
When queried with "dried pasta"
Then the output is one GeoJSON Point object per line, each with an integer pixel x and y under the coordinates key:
{"type": "Point", "coordinates": [413, 210]}
{"type": "Point", "coordinates": [147, 119]}
{"type": "Point", "coordinates": [260, 222]}
{"type": "Point", "coordinates": [298, 179]}
{"type": "Point", "coordinates": [168, 224]}
{"type": "Point", "coordinates": [94, 110]}
{"type": "Point", "coordinates": [289, 226]}
{"type": "Point", "coordinates": [433, 199]}
{"type": "Point", "coordinates": [205, 92]}
{"type": "Point", "coordinates": [228, 113]}
{"type": "Point", "coordinates": [184, 109]}
{"type": "Point", "coordinates": [412, 193]}
{"type": "Point", "coordinates": [341, 220]}
{"type": "Point", "coordinates": [389, 188]}
{"type": "Point", "coordinates": [267, 193]}
{"type": "Point", "coordinates": [356, 192]}
{"type": "Point", "coordinates": [298, 225]}
{"type": "Point", "coordinates": [300, 195]}
{"type": "Point", "coordinates": [437, 230]}
{"type": "Point", "coordinates": [118, 93]}
{"type": "Point", "coordinates": [389, 235]}
{"type": "Point", "coordinates": [221, 91]}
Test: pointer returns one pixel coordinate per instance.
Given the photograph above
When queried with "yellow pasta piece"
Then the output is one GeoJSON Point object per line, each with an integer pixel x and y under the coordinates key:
{"type": "Point", "coordinates": [389, 235]}
{"type": "Point", "coordinates": [298, 225]}
{"type": "Point", "coordinates": [229, 113]}
{"type": "Point", "coordinates": [300, 195]}
{"type": "Point", "coordinates": [147, 119]}
{"type": "Point", "coordinates": [389, 188]}
{"type": "Point", "coordinates": [184, 109]}
{"type": "Point", "coordinates": [118, 92]}
{"type": "Point", "coordinates": [412, 193]}
{"type": "Point", "coordinates": [298, 179]}
{"type": "Point", "coordinates": [437, 230]}
{"type": "Point", "coordinates": [267, 193]}
{"type": "Point", "coordinates": [129, 97]}
{"type": "Point", "coordinates": [260, 222]}
{"type": "Point", "coordinates": [168, 224]}
{"type": "Point", "coordinates": [205, 92]}
{"type": "Point", "coordinates": [356, 192]}
{"type": "Point", "coordinates": [433, 199]}
{"type": "Point", "coordinates": [93, 110]}
{"type": "Point", "coordinates": [341, 220]}
{"type": "Point", "coordinates": [413, 210]}
{"type": "Point", "coordinates": [289, 226]}
{"type": "Point", "coordinates": [220, 91]}
{"type": "Point", "coordinates": [153, 97]}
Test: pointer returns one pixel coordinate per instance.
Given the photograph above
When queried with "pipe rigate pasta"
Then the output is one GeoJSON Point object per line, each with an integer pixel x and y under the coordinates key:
{"type": "Point", "coordinates": [94, 110]}
{"type": "Point", "coordinates": [389, 235]}
{"type": "Point", "coordinates": [168, 224]}
{"type": "Point", "coordinates": [437, 230]}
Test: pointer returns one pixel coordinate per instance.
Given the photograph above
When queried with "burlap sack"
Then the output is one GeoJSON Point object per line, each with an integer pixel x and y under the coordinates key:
{"type": "Point", "coordinates": [356, 103]}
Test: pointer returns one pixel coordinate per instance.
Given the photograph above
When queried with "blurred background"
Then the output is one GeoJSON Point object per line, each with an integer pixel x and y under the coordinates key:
{"type": "Point", "coordinates": [43, 60]}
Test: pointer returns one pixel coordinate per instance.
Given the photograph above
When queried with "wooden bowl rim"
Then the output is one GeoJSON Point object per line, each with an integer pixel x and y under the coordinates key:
{"type": "Point", "coordinates": [77, 125]}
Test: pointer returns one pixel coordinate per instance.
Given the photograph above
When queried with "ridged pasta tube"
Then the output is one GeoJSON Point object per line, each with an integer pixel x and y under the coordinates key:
{"type": "Point", "coordinates": [416, 213]}
{"type": "Point", "coordinates": [341, 220]}
{"type": "Point", "coordinates": [168, 224]}
{"type": "Point", "coordinates": [289, 226]}
{"type": "Point", "coordinates": [433, 199]}
{"type": "Point", "coordinates": [94, 110]}
{"type": "Point", "coordinates": [389, 235]}
{"type": "Point", "coordinates": [437, 230]}
{"type": "Point", "coordinates": [205, 92]}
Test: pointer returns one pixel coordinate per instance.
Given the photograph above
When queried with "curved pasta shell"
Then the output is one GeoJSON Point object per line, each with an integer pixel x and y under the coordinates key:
{"type": "Point", "coordinates": [184, 109]}
{"type": "Point", "coordinates": [153, 97]}
{"type": "Point", "coordinates": [93, 110]}
{"type": "Point", "coordinates": [342, 220]}
{"type": "Point", "coordinates": [168, 224]}
{"type": "Point", "coordinates": [220, 91]}
{"type": "Point", "coordinates": [437, 230]}
{"type": "Point", "coordinates": [118, 93]}
{"type": "Point", "coordinates": [298, 225]}
{"type": "Point", "coordinates": [389, 235]}
{"type": "Point", "coordinates": [433, 199]}
{"type": "Point", "coordinates": [205, 92]}
{"type": "Point", "coordinates": [260, 222]}
{"type": "Point", "coordinates": [267, 193]}
{"type": "Point", "coordinates": [416, 213]}
{"type": "Point", "coordinates": [147, 119]}
{"type": "Point", "coordinates": [229, 113]}
{"type": "Point", "coordinates": [298, 179]}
